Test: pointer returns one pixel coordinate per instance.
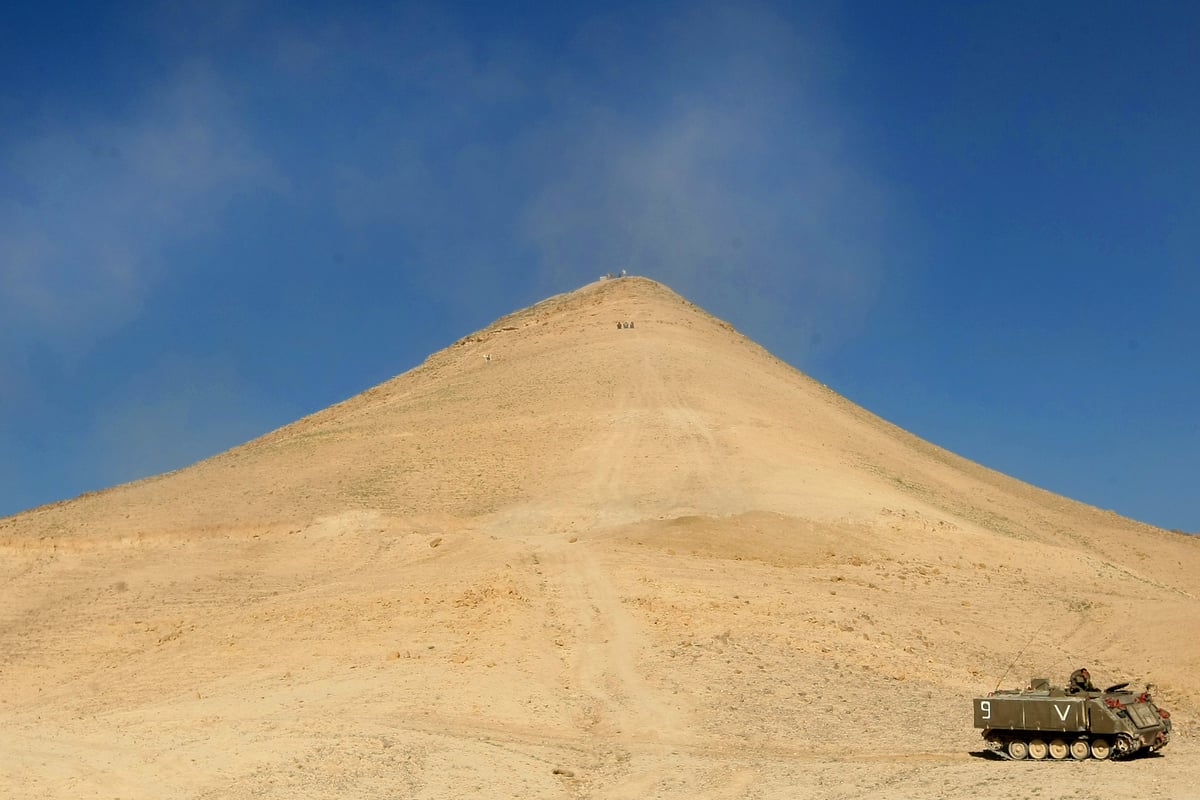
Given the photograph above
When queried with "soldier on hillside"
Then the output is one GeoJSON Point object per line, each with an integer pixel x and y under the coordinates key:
{"type": "Point", "coordinates": [1081, 681]}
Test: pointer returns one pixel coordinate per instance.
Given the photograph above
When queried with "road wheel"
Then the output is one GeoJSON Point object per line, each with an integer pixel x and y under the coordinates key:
{"type": "Point", "coordinates": [1017, 750]}
{"type": "Point", "coordinates": [1037, 749]}
{"type": "Point", "coordinates": [1080, 750]}
{"type": "Point", "coordinates": [1100, 749]}
{"type": "Point", "coordinates": [1058, 749]}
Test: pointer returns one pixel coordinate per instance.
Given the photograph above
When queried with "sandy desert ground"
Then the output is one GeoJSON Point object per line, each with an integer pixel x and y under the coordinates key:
{"type": "Point", "coordinates": [565, 559]}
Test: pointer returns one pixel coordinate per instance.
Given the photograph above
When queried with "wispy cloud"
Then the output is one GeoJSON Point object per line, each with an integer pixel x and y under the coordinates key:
{"type": "Point", "coordinates": [84, 226]}
{"type": "Point", "coordinates": [736, 188]}
{"type": "Point", "coordinates": [714, 161]}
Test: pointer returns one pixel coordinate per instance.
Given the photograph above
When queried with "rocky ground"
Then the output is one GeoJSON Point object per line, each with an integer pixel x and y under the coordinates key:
{"type": "Point", "coordinates": [603, 563]}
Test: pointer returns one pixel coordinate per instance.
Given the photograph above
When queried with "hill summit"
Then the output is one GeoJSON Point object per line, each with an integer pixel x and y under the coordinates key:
{"type": "Point", "coordinates": [606, 546]}
{"type": "Point", "coordinates": [558, 413]}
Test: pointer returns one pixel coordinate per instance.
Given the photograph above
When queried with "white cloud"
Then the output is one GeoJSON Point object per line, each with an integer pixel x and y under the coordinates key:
{"type": "Point", "coordinates": [736, 189]}
{"type": "Point", "coordinates": [83, 231]}
{"type": "Point", "coordinates": [711, 158]}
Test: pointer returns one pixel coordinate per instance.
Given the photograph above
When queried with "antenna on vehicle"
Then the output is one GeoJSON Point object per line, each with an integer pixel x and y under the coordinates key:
{"type": "Point", "coordinates": [1017, 657]}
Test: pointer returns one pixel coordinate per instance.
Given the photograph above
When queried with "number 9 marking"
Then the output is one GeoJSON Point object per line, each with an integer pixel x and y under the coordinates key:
{"type": "Point", "coordinates": [985, 709]}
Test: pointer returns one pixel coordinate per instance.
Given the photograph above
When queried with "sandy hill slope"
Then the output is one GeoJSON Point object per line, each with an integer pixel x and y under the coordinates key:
{"type": "Point", "coordinates": [568, 558]}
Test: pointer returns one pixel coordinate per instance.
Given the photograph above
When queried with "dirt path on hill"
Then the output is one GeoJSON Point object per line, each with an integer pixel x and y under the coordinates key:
{"type": "Point", "coordinates": [658, 444]}
{"type": "Point", "coordinates": [606, 647]}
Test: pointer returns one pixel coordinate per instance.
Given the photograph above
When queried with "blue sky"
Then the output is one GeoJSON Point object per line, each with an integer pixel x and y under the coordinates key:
{"type": "Point", "coordinates": [980, 221]}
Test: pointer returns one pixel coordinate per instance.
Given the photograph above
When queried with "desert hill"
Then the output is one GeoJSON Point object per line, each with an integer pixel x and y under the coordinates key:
{"type": "Point", "coordinates": [570, 557]}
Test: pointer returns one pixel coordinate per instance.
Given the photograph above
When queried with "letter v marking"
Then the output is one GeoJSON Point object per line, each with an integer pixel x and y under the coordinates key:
{"type": "Point", "coordinates": [1062, 712]}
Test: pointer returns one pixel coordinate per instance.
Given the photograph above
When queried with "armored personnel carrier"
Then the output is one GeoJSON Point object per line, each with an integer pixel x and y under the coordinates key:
{"type": "Point", "coordinates": [1043, 720]}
